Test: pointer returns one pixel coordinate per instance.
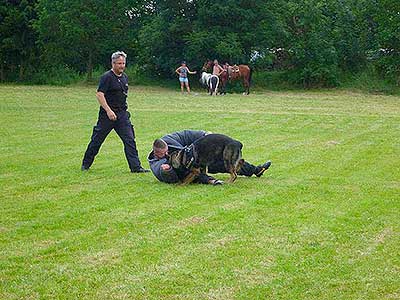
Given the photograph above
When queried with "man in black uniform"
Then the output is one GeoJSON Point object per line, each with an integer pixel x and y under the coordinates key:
{"type": "Point", "coordinates": [179, 140]}
{"type": "Point", "coordinates": [113, 114]}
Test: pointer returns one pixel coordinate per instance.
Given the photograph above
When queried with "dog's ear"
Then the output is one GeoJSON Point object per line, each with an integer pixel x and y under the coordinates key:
{"type": "Point", "coordinates": [175, 159]}
{"type": "Point", "coordinates": [169, 158]}
{"type": "Point", "coordinates": [183, 158]}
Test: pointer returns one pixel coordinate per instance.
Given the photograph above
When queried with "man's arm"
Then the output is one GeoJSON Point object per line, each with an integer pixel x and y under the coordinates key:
{"type": "Point", "coordinates": [102, 101]}
{"type": "Point", "coordinates": [187, 137]}
{"type": "Point", "coordinates": [163, 171]}
{"type": "Point", "coordinates": [221, 70]}
{"type": "Point", "coordinates": [190, 72]}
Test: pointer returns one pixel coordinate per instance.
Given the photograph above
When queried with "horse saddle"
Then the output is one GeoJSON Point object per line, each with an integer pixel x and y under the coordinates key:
{"type": "Point", "coordinates": [233, 71]}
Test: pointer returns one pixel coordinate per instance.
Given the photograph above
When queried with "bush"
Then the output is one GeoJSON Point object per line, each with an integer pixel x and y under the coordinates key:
{"type": "Point", "coordinates": [55, 75]}
{"type": "Point", "coordinates": [369, 80]}
{"type": "Point", "coordinates": [314, 76]}
{"type": "Point", "coordinates": [272, 80]}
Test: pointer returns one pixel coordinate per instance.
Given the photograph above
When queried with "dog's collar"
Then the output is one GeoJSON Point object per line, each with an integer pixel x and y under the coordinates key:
{"type": "Point", "coordinates": [190, 151]}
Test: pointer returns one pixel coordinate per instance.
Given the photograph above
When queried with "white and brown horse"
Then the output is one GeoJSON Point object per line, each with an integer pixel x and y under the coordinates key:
{"type": "Point", "coordinates": [210, 81]}
{"type": "Point", "coordinates": [233, 73]}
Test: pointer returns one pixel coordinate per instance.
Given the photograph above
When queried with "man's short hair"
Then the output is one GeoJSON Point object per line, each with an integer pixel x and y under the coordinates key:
{"type": "Point", "coordinates": [117, 55]}
{"type": "Point", "coordinates": [159, 144]}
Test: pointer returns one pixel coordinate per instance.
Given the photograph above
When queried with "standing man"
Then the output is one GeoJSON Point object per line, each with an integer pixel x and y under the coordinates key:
{"type": "Point", "coordinates": [113, 114]}
{"type": "Point", "coordinates": [217, 69]}
{"type": "Point", "coordinates": [183, 72]}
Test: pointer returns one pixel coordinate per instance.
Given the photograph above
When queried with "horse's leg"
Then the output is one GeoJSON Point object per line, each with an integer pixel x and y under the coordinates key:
{"type": "Point", "coordinates": [246, 86]}
{"type": "Point", "coordinates": [216, 86]}
{"type": "Point", "coordinates": [223, 87]}
{"type": "Point", "coordinates": [248, 81]}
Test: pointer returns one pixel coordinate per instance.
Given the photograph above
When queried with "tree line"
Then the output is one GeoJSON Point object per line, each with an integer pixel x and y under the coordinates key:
{"type": "Point", "coordinates": [312, 42]}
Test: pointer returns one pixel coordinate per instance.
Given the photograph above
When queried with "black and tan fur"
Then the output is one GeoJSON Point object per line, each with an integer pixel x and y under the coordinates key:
{"type": "Point", "coordinates": [208, 150]}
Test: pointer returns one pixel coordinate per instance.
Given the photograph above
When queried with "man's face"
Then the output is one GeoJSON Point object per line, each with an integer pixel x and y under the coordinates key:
{"type": "Point", "coordinates": [160, 152]}
{"type": "Point", "coordinates": [119, 65]}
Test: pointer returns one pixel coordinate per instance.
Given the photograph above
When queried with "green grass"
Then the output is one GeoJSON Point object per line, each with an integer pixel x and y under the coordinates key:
{"type": "Point", "coordinates": [322, 223]}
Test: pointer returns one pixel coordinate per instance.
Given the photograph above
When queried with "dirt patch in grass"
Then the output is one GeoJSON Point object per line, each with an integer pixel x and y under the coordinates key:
{"type": "Point", "coordinates": [221, 242]}
{"type": "Point", "coordinates": [332, 143]}
{"type": "Point", "coordinates": [109, 256]}
{"type": "Point", "coordinates": [195, 220]}
{"type": "Point", "coordinates": [225, 293]}
{"type": "Point", "coordinates": [379, 239]}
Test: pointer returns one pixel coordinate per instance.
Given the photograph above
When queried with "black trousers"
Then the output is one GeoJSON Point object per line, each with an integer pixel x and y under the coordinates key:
{"type": "Point", "coordinates": [219, 167]}
{"type": "Point", "coordinates": [123, 127]}
{"type": "Point", "coordinates": [246, 170]}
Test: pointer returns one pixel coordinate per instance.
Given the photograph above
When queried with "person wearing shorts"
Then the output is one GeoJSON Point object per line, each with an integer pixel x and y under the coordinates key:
{"type": "Point", "coordinates": [183, 72]}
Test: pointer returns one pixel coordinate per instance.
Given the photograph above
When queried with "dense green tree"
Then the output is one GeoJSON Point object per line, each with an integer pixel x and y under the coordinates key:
{"type": "Point", "coordinates": [196, 30]}
{"type": "Point", "coordinates": [18, 51]}
{"type": "Point", "coordinates": [231, 29]}
{"type": "Point", "coordinates": [314, 56]}
{"type": "Point", "coordinates": [387, 17]}
{"type": "Point", "coordinates": [161, 39]}
{"type": "Point", "coordinates": [313, 41]}
{"type": "Point", "coordinates": [318, 37]}
{"type": "Point", "coordinates": [77, 33]}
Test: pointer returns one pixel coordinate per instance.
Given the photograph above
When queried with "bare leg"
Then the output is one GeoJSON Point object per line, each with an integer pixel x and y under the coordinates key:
{"type": "Point", "coordinates": [187, 87]}
{"type": "Point", "coordinates": [182, 85]}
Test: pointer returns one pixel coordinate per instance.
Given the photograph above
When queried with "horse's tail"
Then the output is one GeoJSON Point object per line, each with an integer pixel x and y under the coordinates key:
{"type": "Point", "coordinates": [214, 82]}
{"type": "Point", "coordinates": [250, 75]}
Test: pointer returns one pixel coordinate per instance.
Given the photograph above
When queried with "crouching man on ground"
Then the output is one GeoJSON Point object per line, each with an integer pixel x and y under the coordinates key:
{"type": "Point", "coordinates": [163, 171]}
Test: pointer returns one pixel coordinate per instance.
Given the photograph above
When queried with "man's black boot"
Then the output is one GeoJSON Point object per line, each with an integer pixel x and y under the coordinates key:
{"type": "Point", "coordinates": [262, 168]}
{"type": "Point", "coordinates": [140, 170]}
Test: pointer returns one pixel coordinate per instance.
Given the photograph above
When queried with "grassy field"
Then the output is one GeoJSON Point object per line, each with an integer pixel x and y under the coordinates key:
{"type": "Point", "coordinates": [322, 223]}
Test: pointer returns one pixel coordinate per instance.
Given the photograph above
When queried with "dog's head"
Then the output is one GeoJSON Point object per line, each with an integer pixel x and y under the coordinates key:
{"type": "Point", "coordinates": [180, 159]}
{"type": "Point", "coordinates": [175, 159]}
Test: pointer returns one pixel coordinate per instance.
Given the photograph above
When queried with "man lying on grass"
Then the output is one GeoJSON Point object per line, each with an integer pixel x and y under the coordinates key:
{"type": "Point", "coordinates": [176, 141]}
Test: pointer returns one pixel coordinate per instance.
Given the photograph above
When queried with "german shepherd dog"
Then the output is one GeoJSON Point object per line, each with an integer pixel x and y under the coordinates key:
{"type": "Point", "coordinates": [206, 151]}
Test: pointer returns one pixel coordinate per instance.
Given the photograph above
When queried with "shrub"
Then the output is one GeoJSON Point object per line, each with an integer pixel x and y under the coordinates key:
{"type": "Point", "coordinates": [55, 75]}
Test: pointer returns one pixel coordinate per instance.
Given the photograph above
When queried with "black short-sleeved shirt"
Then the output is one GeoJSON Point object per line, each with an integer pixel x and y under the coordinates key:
{"type": "Point", "coordinates": [115, 89]}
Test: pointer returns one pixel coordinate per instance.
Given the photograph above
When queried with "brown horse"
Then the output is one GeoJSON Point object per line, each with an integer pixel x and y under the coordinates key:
{"type": "Point", "coordinates": [232, 73]}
